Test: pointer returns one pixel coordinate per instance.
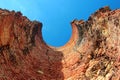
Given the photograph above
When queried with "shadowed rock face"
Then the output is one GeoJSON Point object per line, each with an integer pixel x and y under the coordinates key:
{"type": "Point", "coordinates": [93, 52]}
{"type": "Point", "coordinates": [23, 54]}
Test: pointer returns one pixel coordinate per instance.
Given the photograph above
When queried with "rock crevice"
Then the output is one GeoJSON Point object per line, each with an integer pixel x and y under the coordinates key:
{"type": "Point", "coordinates": [93, 52]}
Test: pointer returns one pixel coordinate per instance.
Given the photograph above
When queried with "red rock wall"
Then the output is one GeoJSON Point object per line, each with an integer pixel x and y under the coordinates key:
{"type": "Point", "coordinates": [23, 54]}
{"type": "Point", "coordinates": [93, 52]}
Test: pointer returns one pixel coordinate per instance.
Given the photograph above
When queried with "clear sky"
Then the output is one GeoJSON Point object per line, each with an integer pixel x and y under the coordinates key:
{"type": "Point", "coordinates": [56, 15]}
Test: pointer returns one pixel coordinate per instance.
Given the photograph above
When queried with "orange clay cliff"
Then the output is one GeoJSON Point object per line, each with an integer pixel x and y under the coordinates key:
{"type": "Point", "coordinates": [93, 52]}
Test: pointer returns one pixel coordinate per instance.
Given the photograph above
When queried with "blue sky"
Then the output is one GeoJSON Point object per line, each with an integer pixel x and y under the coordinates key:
{"type": "Point", "coordinates": [56, 15]}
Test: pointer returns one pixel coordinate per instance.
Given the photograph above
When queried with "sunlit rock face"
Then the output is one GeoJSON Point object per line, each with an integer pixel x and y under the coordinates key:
{"type": "Point", "coordinates": [93, 52]}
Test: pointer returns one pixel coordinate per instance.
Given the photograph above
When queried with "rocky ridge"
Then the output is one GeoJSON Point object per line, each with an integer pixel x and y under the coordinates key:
{"type": "Point", "coordinates": [93, 52]}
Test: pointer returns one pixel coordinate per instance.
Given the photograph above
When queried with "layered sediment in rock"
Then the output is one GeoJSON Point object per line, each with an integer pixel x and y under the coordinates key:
{"type": "Point", "coordinates": [93, 52]}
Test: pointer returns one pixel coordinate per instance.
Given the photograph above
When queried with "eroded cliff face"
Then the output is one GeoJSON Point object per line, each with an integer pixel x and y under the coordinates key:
{"type": "Point", "coordinates": [23, 54]}
{"type": "Point", "coordinates": [93, 52]}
